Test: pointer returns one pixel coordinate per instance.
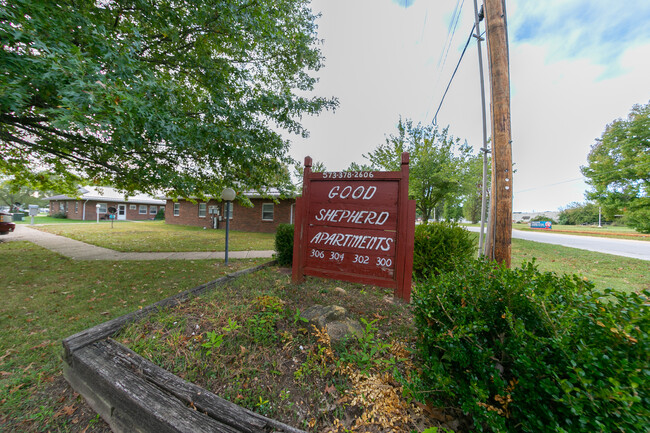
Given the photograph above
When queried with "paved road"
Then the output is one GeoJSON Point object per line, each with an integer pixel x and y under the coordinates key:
{"type": "Point", "coordinates": [78, 250]}
{"type": "Point", "coordinates": [618, 247]}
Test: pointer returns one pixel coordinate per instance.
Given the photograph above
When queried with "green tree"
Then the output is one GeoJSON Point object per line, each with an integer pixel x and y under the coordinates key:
{"type": "Point", "coordinates": [359, 167]}
{"type": "Point", "coordinates": [618, 168]}
{"type": "Point", "coordinates": [438, 165]}
{"type": "Point", "coordinates": [474, 189]}
{"type": "Point", "coordinates": [544, 218]}
{"type": "Point", "coordinates": [14, 195]}
{"type": "Point", "coordinates": [299, 170]}
{"type": "Point", "coordinates": [186, 96]}
{"type": "Point", "coordinates": [452, 209]}
{"type": "Point", "coordinates": [579, 213]}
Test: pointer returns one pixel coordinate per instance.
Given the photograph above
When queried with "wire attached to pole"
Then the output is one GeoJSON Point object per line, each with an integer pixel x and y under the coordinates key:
{"type": "Point", "coordinates": [435, 117]}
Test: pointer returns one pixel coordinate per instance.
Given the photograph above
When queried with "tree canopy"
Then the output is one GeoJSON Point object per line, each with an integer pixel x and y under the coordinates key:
{"type": "Point", "coordinates": [579, 213]}
{"type": "Point", "coordinates": [618, 168]}
{"type": "Point", "coordinates": [438, 166]}
{"type": "Point", "coordinates": [474, 188]}
{"type": "Point", "coordinates": [185, 96]}
{"type": "Point", "coordinates": [14, 196]}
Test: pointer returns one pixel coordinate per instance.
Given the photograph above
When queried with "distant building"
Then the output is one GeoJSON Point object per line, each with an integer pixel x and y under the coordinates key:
{"type": "Point", "coordinates": [84, 207]}
{"type": "Point", "coordinates": [265, 215]}
{"type": "Point", "coordinates": [526, 217]}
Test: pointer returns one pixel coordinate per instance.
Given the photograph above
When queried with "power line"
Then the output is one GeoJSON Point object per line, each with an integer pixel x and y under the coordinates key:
{"type": "Point", "coordinates": [453, 25]}
{"type": "Point", "coordinates": [449, 38]}
{"type": "Point", "coordinates": [435, 117]}
{"type": "Point", "coordinates": [549, 185]}
{"type": "Point", "coordinates": [633, 166]}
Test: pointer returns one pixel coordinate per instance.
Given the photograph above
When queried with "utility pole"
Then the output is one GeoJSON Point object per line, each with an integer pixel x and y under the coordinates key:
{"type": "Point", "coordinates": [498, 242]}
{"type": "Point", "coordinates": [477, 19]}
{"type": "Point", "coordinates": [599, 213]}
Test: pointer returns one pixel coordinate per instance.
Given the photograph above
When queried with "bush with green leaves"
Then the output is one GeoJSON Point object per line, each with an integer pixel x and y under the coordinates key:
{"type": "Point", "coordinates": [525, 351]}
{"type": "Point", "coordinates": [579, 213]}
{"type": "Point", "coordinates": [440, 247]}
{"type": "Point", "coordinates": [284, 244]}
{"type": "Point", "coordinates": [160, 215]}
{"type": "Point", "coordinates": [61, 215]}
{"type": "Point", "coordinates": [544, 218]}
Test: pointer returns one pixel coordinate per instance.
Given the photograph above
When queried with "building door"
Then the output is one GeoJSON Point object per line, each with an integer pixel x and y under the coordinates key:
{"type": "Point", "coordinates": [121, 212]}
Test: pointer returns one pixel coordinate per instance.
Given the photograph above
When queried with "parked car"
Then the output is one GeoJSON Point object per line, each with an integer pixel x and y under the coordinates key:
{"type": "Point", "coordinates": [6, 223]}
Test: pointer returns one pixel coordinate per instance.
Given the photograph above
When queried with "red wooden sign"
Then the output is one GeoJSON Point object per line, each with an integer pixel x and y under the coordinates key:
{"type": "Point", "coordinates": [356, 226]}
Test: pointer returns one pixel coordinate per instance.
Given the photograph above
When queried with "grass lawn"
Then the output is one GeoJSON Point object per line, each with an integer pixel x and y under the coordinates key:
{"type": "Point", "coordinates": [156, 236]}
{"type": "Point", "coordinates": [47, 297]}
{"type": "Point", "coordinates": [605, 270]}
{"type": "Point", "coordinates": [614, 232]}
{"type": "Point", "coordinates": [50, 220]}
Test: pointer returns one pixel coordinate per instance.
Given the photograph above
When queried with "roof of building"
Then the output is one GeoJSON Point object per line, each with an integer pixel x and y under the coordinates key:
{"type": "Point", "coordinates": [108, 194]}
{"type": "Point", "coordinates": [270, 193]}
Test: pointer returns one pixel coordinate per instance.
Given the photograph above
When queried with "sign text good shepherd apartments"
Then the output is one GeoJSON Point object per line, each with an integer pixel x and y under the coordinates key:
{"type": "Point", "coordinates": [356, 226]}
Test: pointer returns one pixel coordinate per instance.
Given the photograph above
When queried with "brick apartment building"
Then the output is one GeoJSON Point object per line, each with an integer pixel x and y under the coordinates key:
{"type": "Point", "coordinates": [84, 207]}
{"type": "Point", "coordinates": [264, 216]}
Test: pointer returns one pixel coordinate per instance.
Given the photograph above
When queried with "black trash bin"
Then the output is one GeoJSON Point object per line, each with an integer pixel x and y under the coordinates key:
{"type": "Point", "coordinates": [18, 216]}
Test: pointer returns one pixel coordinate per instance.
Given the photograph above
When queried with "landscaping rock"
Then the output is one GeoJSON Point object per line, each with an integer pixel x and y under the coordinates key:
{"type": "Point", "coordinates": [321, 315]}
{"type": "Point", "coordinates": [341, 329]}
{"type": "Point", "coordinates": [334, 320]}
{"type": "Point", "coordinates": [340, 291]}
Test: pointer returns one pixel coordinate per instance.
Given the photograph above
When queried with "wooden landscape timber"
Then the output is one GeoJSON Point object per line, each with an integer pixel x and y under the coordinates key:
{"type": "Point", "coordinates": [134, 395]}
{"type": "Point", "coordinates": [107, 329]}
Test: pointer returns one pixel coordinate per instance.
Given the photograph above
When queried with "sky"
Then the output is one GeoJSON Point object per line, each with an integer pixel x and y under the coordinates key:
{"type": "Point", "coordinates": [575, 66]}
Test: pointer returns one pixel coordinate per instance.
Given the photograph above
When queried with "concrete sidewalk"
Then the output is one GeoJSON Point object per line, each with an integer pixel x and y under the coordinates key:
{"type": "Point", "coordinates": [78, 250]}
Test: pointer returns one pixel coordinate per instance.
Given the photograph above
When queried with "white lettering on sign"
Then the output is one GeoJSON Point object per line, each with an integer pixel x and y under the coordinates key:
{"type": "Point", "coordinates": [347, 174]}
{"type": "Point", "coordinates": [350, 216]}
{"type": "Point", "coordinates": [376, 243]}
{"type": "Point", "coordinates": [385, 263]}
{"type": "Point", "coordinates": [360, 192]}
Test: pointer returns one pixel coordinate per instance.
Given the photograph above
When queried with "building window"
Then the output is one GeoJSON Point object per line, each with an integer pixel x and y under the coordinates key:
{"type": "Point", "coordinates": [133, 207]}
{"type": "Point", "coordinates": [153, 210]}
{"type": "Point", "coordinates": [143, 209]}
{"type": "Point", "coordinates": [177, 209]}
{"type": "Point", "coordinates": [267, 212]}
{"type": "Point", "coordinates": [61, 206]}
{"type": "Point", "coordinates": [76, 207]}
{"type": "Point", "coordinates": [213, 210]}
{"type": "Point", "coordinates": [102, 207]}
{"type": "Point", "coordinates": [202, 208]}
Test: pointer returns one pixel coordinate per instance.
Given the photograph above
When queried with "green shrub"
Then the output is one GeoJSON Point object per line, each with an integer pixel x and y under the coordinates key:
{"type": "Point", "coordinates": [544, 218]}
{"type": "Point", "coordinates": [160, 215]}
{"type": "Point", "coordinates": [525, 351]}
{"type": "Point", "coordinates": [439, 247]}
{"type": "Point", "coordinates": [284, 244]}
{"type": "Point", "coordinates": [579, 213]}
{"type": "Point", "coordinates": [61, 215]}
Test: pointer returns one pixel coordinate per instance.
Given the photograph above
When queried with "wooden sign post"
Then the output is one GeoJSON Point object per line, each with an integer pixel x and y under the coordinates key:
{"type": "Point", "coordinates": [356, 226]}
